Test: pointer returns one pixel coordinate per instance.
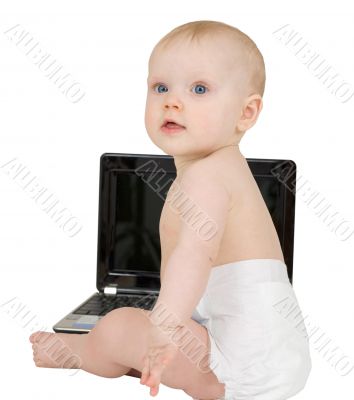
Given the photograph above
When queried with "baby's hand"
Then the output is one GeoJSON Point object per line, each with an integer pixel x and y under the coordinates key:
{"type": "Point", "coordinates": [161, 350]}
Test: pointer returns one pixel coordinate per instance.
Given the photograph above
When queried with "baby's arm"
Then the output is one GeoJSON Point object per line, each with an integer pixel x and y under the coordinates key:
{"type": "Point", "coordinates": [187, 271]}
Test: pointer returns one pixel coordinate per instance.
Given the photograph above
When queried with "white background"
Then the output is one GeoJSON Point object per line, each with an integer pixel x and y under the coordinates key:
{"type": "Point", "coordinates": [105, 46]}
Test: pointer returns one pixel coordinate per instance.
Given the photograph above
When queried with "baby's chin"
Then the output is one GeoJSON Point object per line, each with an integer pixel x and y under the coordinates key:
{"type": "Point", "coordinates": [185, 151]}
{"type": "Point", "coordinates": [181, 146]}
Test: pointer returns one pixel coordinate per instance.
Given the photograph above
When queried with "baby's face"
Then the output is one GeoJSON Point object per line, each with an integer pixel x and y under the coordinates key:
{"type": "Point", "coordinates": [200, 87]}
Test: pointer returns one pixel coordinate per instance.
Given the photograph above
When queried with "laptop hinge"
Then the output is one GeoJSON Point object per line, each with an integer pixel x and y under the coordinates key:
{"type": "Point", "coordinates": [110, 290]}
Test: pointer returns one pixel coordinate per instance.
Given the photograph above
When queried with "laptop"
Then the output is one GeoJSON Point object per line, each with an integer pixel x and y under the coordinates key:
{"type": "Point", "coordinates": [132, 191]}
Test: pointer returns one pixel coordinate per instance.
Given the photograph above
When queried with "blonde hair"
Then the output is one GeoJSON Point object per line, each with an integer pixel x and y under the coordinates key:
{"type": "Point", "coordinates": [252, 61]}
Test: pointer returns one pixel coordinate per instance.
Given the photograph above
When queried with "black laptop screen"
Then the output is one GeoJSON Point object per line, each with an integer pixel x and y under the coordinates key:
{"type": "Point", "coordinates": [135, 208]}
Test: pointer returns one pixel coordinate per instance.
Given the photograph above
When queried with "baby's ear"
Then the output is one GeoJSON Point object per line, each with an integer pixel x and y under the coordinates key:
{"type": "Point", "coordinates": [250, 112]}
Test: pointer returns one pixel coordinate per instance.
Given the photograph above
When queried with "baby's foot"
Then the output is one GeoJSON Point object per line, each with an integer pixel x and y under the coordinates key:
{"type": "Point", "coordinates": [56, 350]}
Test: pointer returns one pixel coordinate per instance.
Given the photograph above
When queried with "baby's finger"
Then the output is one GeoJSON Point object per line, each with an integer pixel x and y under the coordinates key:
{"type": "Point", "coordinates": [156, 370]}
{"type": "Point", "coordinates": [154, 391]}
{"type": "Point", "coordinates": [145, 372]}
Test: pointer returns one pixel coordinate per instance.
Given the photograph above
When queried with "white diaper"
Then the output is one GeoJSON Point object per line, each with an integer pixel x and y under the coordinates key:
{"type": "Point", "coordinates": [259, 343]}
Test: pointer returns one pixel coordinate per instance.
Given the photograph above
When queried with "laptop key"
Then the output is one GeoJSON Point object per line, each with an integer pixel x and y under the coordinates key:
{"type": "Point", "coordinates": [72, 316]}
{"type": "Point", "coordinates": [92, 312]}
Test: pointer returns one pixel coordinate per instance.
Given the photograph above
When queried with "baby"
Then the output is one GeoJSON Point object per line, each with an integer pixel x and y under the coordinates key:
{"type": "Point", "coordinates": [219, 284]}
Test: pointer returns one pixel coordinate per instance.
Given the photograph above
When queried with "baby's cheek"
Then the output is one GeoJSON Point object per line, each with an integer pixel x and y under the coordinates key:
{"type": "Point", "coordinates": [150, 125]}
{"type": "Point", "coordinates": [149, 115]}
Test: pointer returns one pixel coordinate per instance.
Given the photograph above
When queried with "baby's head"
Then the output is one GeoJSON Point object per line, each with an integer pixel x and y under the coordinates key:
{"type": "Point", "coordinates": [208, 77]}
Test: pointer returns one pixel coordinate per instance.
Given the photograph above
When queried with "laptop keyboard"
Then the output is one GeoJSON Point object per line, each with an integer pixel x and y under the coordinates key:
{"type": "Point", "coordinates": [101, 304]}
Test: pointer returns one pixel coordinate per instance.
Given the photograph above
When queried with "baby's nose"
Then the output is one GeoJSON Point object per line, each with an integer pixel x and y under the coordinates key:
{"type": "Point", "coordinates": [173, 103]}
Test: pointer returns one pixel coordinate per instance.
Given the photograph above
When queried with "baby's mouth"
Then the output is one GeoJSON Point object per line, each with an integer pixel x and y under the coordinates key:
{"type": "Point", "coordinates": [172, 127]}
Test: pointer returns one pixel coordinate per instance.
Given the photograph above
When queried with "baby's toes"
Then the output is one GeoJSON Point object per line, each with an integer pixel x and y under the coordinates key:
{"type": "Point", "coordinates": [35, 336]}
{"type": "Point", "coordinates": [41, 357]}
{"type": "Point", "coordinates": [35, 353]}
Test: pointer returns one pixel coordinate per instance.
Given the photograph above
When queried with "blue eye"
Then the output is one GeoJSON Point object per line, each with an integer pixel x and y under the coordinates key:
{"type": "Point", "coordinates": [200, 86]}
{"type": "Point", "coordinates": [158, 85]}
{"type": "Point", "coordinates": [201, 89]}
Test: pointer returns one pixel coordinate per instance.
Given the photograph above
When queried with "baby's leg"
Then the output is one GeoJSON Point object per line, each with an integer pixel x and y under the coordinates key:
{"type": "Point", "coordinates": [85, 351]}
{"type": "Point", "coordinates": [118, 343]}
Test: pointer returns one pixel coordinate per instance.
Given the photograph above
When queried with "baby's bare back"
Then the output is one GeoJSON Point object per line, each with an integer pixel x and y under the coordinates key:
{"type": "Point", "coordinates": [249, 232]}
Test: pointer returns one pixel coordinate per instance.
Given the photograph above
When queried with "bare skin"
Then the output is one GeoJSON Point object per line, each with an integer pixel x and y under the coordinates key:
{"type": "Point", "coordinates": [120, 343]}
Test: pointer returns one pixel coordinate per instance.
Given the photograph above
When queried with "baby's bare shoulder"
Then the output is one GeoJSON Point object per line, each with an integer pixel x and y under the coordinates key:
{"type": "Point", "coordinates": [204, 175]}
{"type": "Point", "coordinates": [229, 172]}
